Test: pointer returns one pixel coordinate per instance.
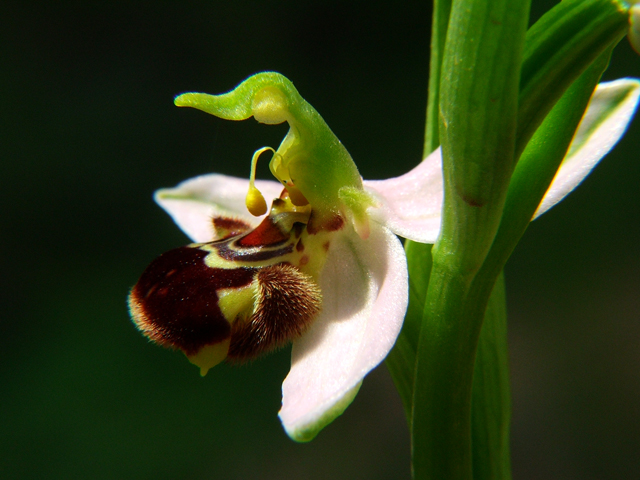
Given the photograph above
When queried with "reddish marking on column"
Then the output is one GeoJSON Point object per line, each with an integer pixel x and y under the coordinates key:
{"type": "Point", "coordinates": [267, 233]}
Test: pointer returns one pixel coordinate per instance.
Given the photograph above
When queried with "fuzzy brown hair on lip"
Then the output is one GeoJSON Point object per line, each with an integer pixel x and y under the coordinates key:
{"type": "Point", "coordinates": [287, 302]}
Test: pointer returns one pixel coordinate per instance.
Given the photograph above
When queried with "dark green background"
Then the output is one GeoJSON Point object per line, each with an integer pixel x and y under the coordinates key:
{"type": "Point", "coordinates": [88, 132]}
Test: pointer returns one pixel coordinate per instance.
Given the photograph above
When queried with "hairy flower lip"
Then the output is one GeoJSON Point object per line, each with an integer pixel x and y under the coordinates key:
{"type": "Point", "coordinates": [365, 292]}
{"type": "Point", "coordinates": [355, 332]}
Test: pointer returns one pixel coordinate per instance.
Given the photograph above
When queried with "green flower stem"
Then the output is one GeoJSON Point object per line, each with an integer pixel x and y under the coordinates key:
{"type": "Point", "coordinates": [545, 78]}
{"type": "Point", "coordinates": [478, 104]}
{"type": "Point", "coordinates": [491, 410]}
{"type": "Point", "coordinates": [559, 47]}
{"type": "Point", "coordinates": [533, 175]}
{"type": "Point", "coordinates": [450, 339]}
{"type": "Point", "coordinates": [539, 65]}
{"type": "Point", "coordinates": [491, 397]}
{"type": "Point", "coordinates": [478, 120]}
{"type": "Point", "coordinates": [441, 12]}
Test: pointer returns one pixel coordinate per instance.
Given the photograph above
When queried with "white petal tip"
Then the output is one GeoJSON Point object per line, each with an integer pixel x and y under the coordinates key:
{"type": "Point", "coordinates": [610, 110]}
{"type": "Point", "coordinates": [306, 429]}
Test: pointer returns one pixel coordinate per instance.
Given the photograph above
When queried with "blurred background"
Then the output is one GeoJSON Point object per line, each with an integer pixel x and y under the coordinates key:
{"type": "Point", "coordinates": [88, 131]}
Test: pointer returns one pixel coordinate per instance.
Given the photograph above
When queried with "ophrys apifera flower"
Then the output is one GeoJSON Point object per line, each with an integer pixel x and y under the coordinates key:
{"type": "Point", "coordinates": [322, 268]}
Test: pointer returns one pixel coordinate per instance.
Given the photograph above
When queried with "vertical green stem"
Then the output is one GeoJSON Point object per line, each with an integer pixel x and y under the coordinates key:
{"type": "Point", "coordinates": [478, 105]}
{"type": "Point", "coordinates": [479, 156]}
{"type": "Point", "coordinates": [441, 12]}
{"type": "Point", "coordinates": [442, 390]}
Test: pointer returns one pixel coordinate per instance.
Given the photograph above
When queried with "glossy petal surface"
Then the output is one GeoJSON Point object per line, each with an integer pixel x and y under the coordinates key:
{"type": "Point", "coordinates": [365, 292]}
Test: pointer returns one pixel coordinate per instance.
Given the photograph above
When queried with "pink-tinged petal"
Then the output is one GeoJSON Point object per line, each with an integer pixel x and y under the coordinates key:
{"type": "Point", "coordinates": [411, 205]}
{"type": "Point", "coordinates": [195, 202]}
{"type": "Point", "coordinates": [609, 112]}
{"type": "Point", "coordinates": [365, 292]}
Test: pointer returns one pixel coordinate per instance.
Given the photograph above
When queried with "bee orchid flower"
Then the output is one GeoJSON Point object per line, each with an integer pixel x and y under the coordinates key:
{"type": "Point", "coordinates": [322, 267]}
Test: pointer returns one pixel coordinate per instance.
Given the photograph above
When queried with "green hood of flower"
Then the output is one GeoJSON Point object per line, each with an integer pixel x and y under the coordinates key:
{"type": "Point", "coordinates": [311, 162]}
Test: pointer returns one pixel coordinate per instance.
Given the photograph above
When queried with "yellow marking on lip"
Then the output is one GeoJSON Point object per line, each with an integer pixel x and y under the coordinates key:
{"type": "Point", "coordinates": [237, 302]}
{"type": "Point", "coordinates": [210, 355]}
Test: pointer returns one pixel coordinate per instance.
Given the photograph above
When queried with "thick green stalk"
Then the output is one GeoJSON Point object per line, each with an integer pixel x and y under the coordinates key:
{"type": "Point", "coordinates": [529, 184]}
{"type": "Point", "coordinates": [441, 12]}
{"type": "Point", "coordinates": [490, 396]}
{"type": "Point", "coordinates": [544, 77]}
{"type": "Point", "coordinates": [478, 104]}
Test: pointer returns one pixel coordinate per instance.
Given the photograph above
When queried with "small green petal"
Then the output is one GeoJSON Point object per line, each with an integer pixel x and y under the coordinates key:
{"type": "Point", "coordinates": [357, 202]}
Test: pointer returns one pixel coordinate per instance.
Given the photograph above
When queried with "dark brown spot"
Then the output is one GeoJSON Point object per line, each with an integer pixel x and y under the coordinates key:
{"type": "Point", "coordinates": [299, 246]}
{"type": "Point", "coordinates": [472, 202]}
{"type": "Point", "coordinates": [298, 228]}
{"type": "Point", "coordinates": [175, 303]}
{"type": "Point", "coordinates": [287, 302]}
{"type": "Point", "coordinates": [336, 222]}
{"type": "Point", "coordinates": [225, 227]}
{"type": "Point", "coordinates": [330, 223]}
{"type": "Point", "coordinates": [470, 199]}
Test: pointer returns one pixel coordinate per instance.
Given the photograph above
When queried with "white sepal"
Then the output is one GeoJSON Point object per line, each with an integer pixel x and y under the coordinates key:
{"type": "Point", "coordinates": [608, 114]}
{"type": "Point", "coordinates": [411, 205]}
{"type": "Point", "coordinates": [195, 202]}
